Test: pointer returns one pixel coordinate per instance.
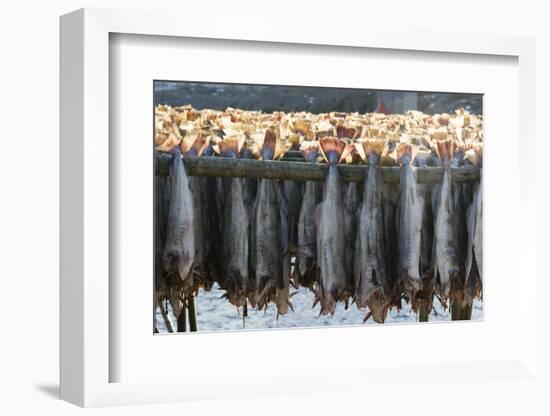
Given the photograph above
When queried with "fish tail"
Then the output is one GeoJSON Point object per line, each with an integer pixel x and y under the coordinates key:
{"type": "Point", "coordinates": [373, 149]}
{"type": "Point", "coordinates": [478, 149]}
{"type": "Point", "coordinates": [406, 154]}
{"type": "Point", "coordinates": [229, 147]}
{"type": "Point", "coordinates": [310, 152]}
{"type": "Point", "coordinates": [445, 150]}
{"type": "Point", "coordinates": [199, 146]}
{"type": "Point", "coordinates": [333, 149]}
{"type": "Point", "coordinates": [269, 145]}
{"type": "Point", "coordinates": [246, 153]}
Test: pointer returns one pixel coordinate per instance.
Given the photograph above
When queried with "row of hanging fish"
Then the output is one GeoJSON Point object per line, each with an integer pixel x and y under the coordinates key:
{"type": "Point", "coordinates": [374, 244]}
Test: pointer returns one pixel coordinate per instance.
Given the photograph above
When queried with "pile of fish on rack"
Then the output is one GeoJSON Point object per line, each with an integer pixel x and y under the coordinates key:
{"type": "Point", "coordinates": [373, 243]}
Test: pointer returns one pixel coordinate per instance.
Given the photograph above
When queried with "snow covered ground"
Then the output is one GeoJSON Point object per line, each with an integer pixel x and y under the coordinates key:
{"type": "Point", "coordinates": [215, 314]}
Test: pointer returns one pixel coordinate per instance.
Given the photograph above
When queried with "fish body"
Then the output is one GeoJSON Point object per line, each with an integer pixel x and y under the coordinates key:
{"type": "Point", "coordinates": [307, 234]}
{"type": "Point", "coordinates": [474, 255]}
{"type": "Point", "coordinates": [370, 262]}
{"type": "Point", "coordinates": [234, 247]}
{"type": "Point", "coordinates": [179, 250]}
{"type": "Point", "coordinates": [331, 236]}
{"type": "Point", "coordinates": [446, 255]}
{"type": "Point", "coordinates": [306, 256]}
{"type": "Point", "coordinates": [411, 207]}
{"type": "Point", "coordinates": [267, 239]}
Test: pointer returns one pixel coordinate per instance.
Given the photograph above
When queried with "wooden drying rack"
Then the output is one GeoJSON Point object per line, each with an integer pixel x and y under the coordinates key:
{"type": "Point", "coordinates": [293, 167]}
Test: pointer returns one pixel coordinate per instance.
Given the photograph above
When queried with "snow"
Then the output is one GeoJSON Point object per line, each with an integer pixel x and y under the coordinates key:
{"type": "Point", "coordinates": [215, 314]}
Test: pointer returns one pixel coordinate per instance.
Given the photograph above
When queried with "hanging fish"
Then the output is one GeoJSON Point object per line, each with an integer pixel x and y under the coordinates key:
{"type": "Point", "coordinates": [474, 257]}
{"type": "Point", "coordinates": [330, 235]}
{"type": "Point", "coordinates": [411, 208]}
{"type": "Point", "coordinates": [234, 246]}
{"type": "Point", "coordinates": [306, 257]}
{"type": "Point", "coordinates": [201, 223]}
{"type": "Point", "coordinates": [390, 198]}
{"type": "Point", "coordinates": [266, 238]}
{"type": "Point", "coordinates": [370, 262]}
{"type": "Point", "coordinates": [446, 265]}
{"type": "Point", "coordinates": [179, 250]}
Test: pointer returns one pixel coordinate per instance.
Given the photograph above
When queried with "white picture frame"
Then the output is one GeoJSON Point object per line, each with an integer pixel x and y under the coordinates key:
{"type": "Point", "coordinates": [85, 353]}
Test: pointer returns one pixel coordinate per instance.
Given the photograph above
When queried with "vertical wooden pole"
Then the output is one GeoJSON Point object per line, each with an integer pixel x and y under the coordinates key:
{"type": "Point", "coordinates": [192, 314]}
{"type": "Point", "coordinates": [425, 309]}
{"type": "Point", "coordinates": [167, 322]}
{"type": "Point", "coordinates": [467, 312]}
{"type": "Point", "coordinates": [182, 320]}
{"type": "Point", "coordinates": [456, 311]}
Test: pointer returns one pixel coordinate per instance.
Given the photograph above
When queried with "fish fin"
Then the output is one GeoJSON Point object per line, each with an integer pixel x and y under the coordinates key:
{"type": "Point", "coordinates": [445, 150]}
{"type": "Point", "coordinates": [332, 149]}
{"type": "Point", "coordinates": [290, 305]}
{"type": "Point", "coordinates": [310, 150]}
{"type": "Point", "coordinates": [406, 153]}
{"type": "Point", "coordinates": [229, 147]}
{"type": "Point", "coordinates": [315, 302]}
{"type": "Point", "coordinates": [367, 317]}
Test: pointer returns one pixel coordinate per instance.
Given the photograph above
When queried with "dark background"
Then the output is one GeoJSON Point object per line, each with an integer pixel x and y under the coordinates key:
{"type": "Point", "coordinates": [268, 98]}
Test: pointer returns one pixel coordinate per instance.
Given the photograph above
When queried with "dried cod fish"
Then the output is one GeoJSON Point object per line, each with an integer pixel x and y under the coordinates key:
{"type": "Point", "coordinates": [411, 208]}
{"type": "Point", "coordinates": [179, 250]}
{"type": "Point", "coordinates": [234, 246]}
{"type": "Point", "coordinates": [474, 256]}
{"type": "Point", "coordinates": [330, 235]}
{"type": "Point", "coordinates": [370, 264]}
{"type": "Point", "coordinates": [266, 234]}
{"type": "Point", "coordinates": [446, 265]}
{"type": "Point", "coordinates": [306, 257]}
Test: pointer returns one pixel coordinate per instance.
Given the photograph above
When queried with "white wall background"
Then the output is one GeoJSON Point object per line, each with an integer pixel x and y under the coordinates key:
{"type": "Point", "coordinates": [29, 102]}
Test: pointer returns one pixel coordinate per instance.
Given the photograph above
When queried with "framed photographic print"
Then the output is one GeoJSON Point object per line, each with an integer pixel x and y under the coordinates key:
{"type": "Point", "coordinates": [231, 199]}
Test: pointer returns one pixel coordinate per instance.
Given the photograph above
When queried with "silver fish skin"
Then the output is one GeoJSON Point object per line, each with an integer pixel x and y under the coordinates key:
{"type": "Point", "coordinates": [267, 249]}
{"type": "Point", "coordinates": [331, 243]}
{"type": "Point", "coordinates": [234, 242]}
{"type": "Point", "coordinates": [370, 270]}
{"type": "Point", "coordinates": [179, 251]}
{"type": "Point", "coordinates": [446, 265]}
{"type": "Point", "coordinates": [410, 225]}
{"type": "Point", "coordinates": [474, 256]}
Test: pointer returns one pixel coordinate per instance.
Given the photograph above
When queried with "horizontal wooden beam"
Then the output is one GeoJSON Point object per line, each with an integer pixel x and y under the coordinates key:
{"type": "Point", "coordinates": [300, 171]}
